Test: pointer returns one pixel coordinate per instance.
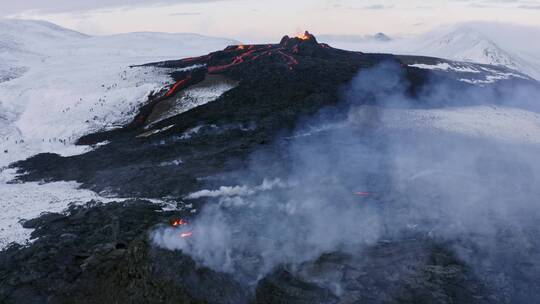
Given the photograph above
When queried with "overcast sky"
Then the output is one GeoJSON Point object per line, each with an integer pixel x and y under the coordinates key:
{"type": "Point", "coordinates": [265, 19]}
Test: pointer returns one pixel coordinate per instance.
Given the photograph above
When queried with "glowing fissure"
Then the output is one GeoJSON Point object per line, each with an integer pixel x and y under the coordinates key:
{"type": "Point", "coordinates": [178, 86]}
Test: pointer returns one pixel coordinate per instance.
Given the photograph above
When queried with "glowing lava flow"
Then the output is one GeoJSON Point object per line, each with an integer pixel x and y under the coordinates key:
{"type": "Point", "coordinates": [292, 60]}
{"type": "Point", "coordinates": [304, 36]}
{"type": "Point", "coordinates": [238, 59]}
{"type": "Point", "coordinates": [177, 86]}
{"type": "Point", "coordinates": [186, 235]}
{"type": "Point", "coordinates": [178, 222]}
{"type": "Point", "coordinates": [219, 62]}
{"type": "Point", "coordinates": [362, 193]}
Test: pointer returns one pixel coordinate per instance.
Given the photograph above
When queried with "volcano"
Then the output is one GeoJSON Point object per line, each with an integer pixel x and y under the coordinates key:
{"type": "Point", "coordinates": [203, 131]}
{"type": "Point", "coordinates": [296, 69]}
{"type": "Point", "coordinates": [298, 64]}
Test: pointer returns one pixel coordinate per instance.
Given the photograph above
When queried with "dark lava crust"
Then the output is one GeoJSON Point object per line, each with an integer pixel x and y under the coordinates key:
{"type": "Point", "coordinates": [101, 253]}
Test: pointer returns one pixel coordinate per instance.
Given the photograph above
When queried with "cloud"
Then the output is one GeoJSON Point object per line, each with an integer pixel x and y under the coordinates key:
{"type": "Point", "coordinates": [63, 6]}
{"type": "Point", "coordinates": [377, 7]}
{"type": "Point", "coordinates": [523, 4]}
{"type": "Point", "coordinates": [186, 14]}
{"type": "Point", "coordinates": [534, 7]}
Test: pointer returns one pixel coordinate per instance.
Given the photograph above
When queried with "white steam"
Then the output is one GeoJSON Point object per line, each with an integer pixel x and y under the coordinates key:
{"type": "Point", "coordinates": [443, 183]}
{"type": "Point", "coordinates": [227, 191]}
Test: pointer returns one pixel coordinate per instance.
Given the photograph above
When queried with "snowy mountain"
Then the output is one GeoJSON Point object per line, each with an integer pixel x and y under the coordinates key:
{"type": "Point", "coordinates": [487, 43]}
{"type": "Point", "coordinates": [468, 45]}
{"type": "Point", "coordinates": [83, 83]}
{"type": "Point", "coordinates": [24, 43]}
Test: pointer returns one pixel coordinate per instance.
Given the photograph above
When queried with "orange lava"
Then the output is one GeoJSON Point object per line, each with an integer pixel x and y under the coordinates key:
{"type": "Point", "coordinates": [186, 235]}
{"type": "Point", "coordinates": [178, 86]}
{"type": "Point", "coordinates": [238, 59]}
{"type": "Point", "coordinates": [178, 222]}
{"type": "Point", "coordinates": [362, 193]}
{"type": "Point", "coordinates": [304, 36]}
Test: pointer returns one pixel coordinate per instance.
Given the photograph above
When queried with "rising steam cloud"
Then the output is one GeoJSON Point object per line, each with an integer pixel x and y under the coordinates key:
{"type": "Point", "coordinates": [419, 176]}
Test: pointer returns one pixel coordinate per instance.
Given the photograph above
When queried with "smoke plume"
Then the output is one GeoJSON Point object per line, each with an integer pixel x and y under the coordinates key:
{"type": "Point", "coordinates": [384, 164]}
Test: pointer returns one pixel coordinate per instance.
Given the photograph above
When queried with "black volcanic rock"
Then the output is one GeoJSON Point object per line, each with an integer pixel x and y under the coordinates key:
{"type": "Point", "coordinates": [99, 253]}
{"type": "Point", "coordinates": [282, 287]}
{"type": "Point", "coordinates": [411, 271]}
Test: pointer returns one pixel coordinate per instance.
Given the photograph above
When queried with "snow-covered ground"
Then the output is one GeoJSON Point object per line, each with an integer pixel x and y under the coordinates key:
{"type": "Point", "coordinates": [498, 123]}
{"type": "Point", "coordinates": [197, 95]}
{"type": "Point", "coordinates": [21, 201]}
{"type": "Point", "coordinates": [56, 85]}
{"type": "Point", "coordinates": [473, 73]}
{"type": "Point", "coordinates": [74, 84]}
{"type": "Point", "coordinates": [508, 45]}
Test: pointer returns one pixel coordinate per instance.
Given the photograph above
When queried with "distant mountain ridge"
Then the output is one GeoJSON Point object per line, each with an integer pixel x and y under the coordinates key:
{"type": "Point", "coordinates": [27, 43]}
{"type": "Point", "coordinates": [85, 82]}
{"type": "Point", "coordinates": [470, 45]}
{"type": "Point", "coordinates": [23, 42]}
{"type": "Point", "coordinates": [380, 37]}
{"type": "Point", "coordinates": [495, 44]}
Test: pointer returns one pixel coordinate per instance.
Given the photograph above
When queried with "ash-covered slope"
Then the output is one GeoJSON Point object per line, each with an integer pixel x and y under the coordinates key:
{"type": "Point", "coordinates": [293, 184]}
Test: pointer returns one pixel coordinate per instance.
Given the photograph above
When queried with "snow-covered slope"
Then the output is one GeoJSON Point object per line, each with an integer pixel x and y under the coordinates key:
{"type": "Point", "coordinates": [63, 84]}
{"type": "Point", "coordinates": [488, 43]}
{"type": "Point", "coordinates": [57, 85]}
{"type": "Point", "coordinates": [465, 44]}
{"type": "Point", "coordinates": [475, 44]}
{"type": "Point", "coordinates": [499, 123]}
{"type": "Point", "coordinates": [24, 43]}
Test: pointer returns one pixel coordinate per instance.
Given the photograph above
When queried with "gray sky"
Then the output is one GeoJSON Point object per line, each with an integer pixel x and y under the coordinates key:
{"type": "Point", "coordinates": [259, 19]}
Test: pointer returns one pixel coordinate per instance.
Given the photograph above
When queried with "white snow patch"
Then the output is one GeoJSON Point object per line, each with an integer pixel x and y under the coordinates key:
{"type": "Point", "coordinates": [191, 132]}
{"type": "Point", "coordinates": [444, 66]}
{"type": "Point", "coordinates": [504, 124]}
{"type": "Point", "coordinates": [153, 132]}
{"type": "Point", "coordinates": [197, 96]}
{"type": "Point", "coordinates": [20, 201]}
{"type": "Point", "coordinates": [176, 162]}
{"type": "Point", "coordinates": [23, 201]}
{"type": "Point", "coordinates": [488, 75]}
